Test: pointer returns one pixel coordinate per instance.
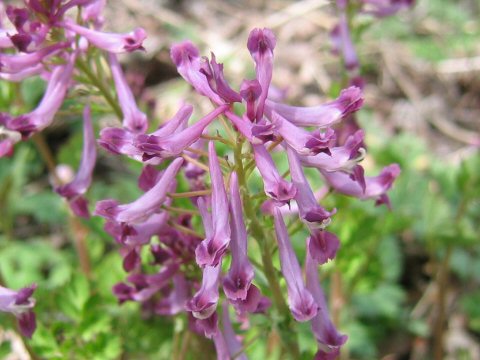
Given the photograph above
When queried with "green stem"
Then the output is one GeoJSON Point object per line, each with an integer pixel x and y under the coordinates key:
{"type": "Point", "coordinates": [82, 65]}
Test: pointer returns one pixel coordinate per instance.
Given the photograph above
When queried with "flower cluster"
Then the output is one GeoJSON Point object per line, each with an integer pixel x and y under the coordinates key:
{"type": "Point", "coordinates": [192, 262]}
{"type": "Point", "coordinates": [306, 136]}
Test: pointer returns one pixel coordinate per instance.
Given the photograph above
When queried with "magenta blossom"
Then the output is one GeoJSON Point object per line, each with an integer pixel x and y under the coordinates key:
{"type": "Point", "coordinates": [302, 305]}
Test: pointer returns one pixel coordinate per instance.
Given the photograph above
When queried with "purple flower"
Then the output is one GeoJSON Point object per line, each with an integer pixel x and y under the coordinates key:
{"type": "Point", "coordinates": [322, 245]}
{"type": "Point", "coordinates": [204, 302]}
{"type": "Point", "coordinates": [325, 115]}
{"type": "Point", "coordinates": [342, 158]}
{"type": "Point", "coordinates": [20, 303]}
{"type": "Point", "coordinates": [214, 73]}
{"type": "Point", "coordinates": [304, 142]}
{"type": "Point", "coordinates": [308, 207]}
{"type": "Point", "coordinates": [122, 141]}
{"type": "Point", "coordinates": [45, 111]}
{"type": "Point", "coordinates": [133, 119]}
{"type": "Point", "coordinates": [110, 42]}
{"type": "Point", "coordinates": [375, 187]}
{"type": "Point", "coordinates": [146, 205]}
{"type": "Point", "coordinates": [328, 338]}
{"type": "Point", "coordinates": [275, 186]}
{"type": "Point", "coordinates": [14, 63]}
{"type": "Point", "coordinates": [186, 57]}
{"type": "Point", "coordinates": [170, 146]}
{"type": "Point", "coordinates": [261, 43]}
{"type": "Point", "coordinates": [210, 251]}
{"type": "Point", "coordinates": [342, 43]}
{"type": "Point", "coordinates": [139, 234]}
{"type": "Point", "coordinates": [241, 273]}
{"type": "Point", "coordinates": [75, 189]}
{"type": "Point", "coordinates": [302, 305]}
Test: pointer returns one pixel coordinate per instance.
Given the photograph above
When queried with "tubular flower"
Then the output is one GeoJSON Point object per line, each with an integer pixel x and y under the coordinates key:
{"type": "Point", "coordinates": [122, 141]}
{"type": "Point", "coordinates": [376, 187]}
{"type": "Point", "coordinates": [75, 189]}
{"type": "Point", "coordinates": [302, 305]}
{"type": "Point", "coordinates": [186, 57]}
{"type": "Point", "coordinates": [44, 113]}
{"type": "Point", "coordinates": [210, 251]}
{"type": "Point", "coordinates": [261, 43]}
{"type": "Point", "coordinates": [328, 339]}
{"type": "Point", "coordinates": [342, 43]}
{"type": "Point", "coordinates": [310, 211]}
{"type": "Point", "coordinates": [110, 42]}
{"type": "Point", "coordinates": [304, 142]}
{"type": "Point", "coordinates": [144, 206]}
{"type": "Point", "coordinates": [170, 146]}
{"type": "Point", "coordinates": [241, 273]}
{"type": "Point", "coordinates": [204, 302]}
{"type": "Point", "coordinates": [321, 116]}
{"type": "Point", "coordinates": [15, 63]}
{"type": "Point", "coordinates": [342, 158]}
{"type": "Point", "coordinates": [275, 186]}
{"type": "Point", "coordinates": [133, 119]}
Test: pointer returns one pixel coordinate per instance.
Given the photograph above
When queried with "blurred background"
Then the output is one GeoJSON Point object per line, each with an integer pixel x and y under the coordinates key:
{"type": "Point", "coordinates": [405, 284]}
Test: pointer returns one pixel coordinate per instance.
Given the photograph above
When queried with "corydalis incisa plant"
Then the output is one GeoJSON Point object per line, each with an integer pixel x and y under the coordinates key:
{"type": "Point", "coordinates": [190, 261]}
{"type": "Point", "coordinates": [231, 218]}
